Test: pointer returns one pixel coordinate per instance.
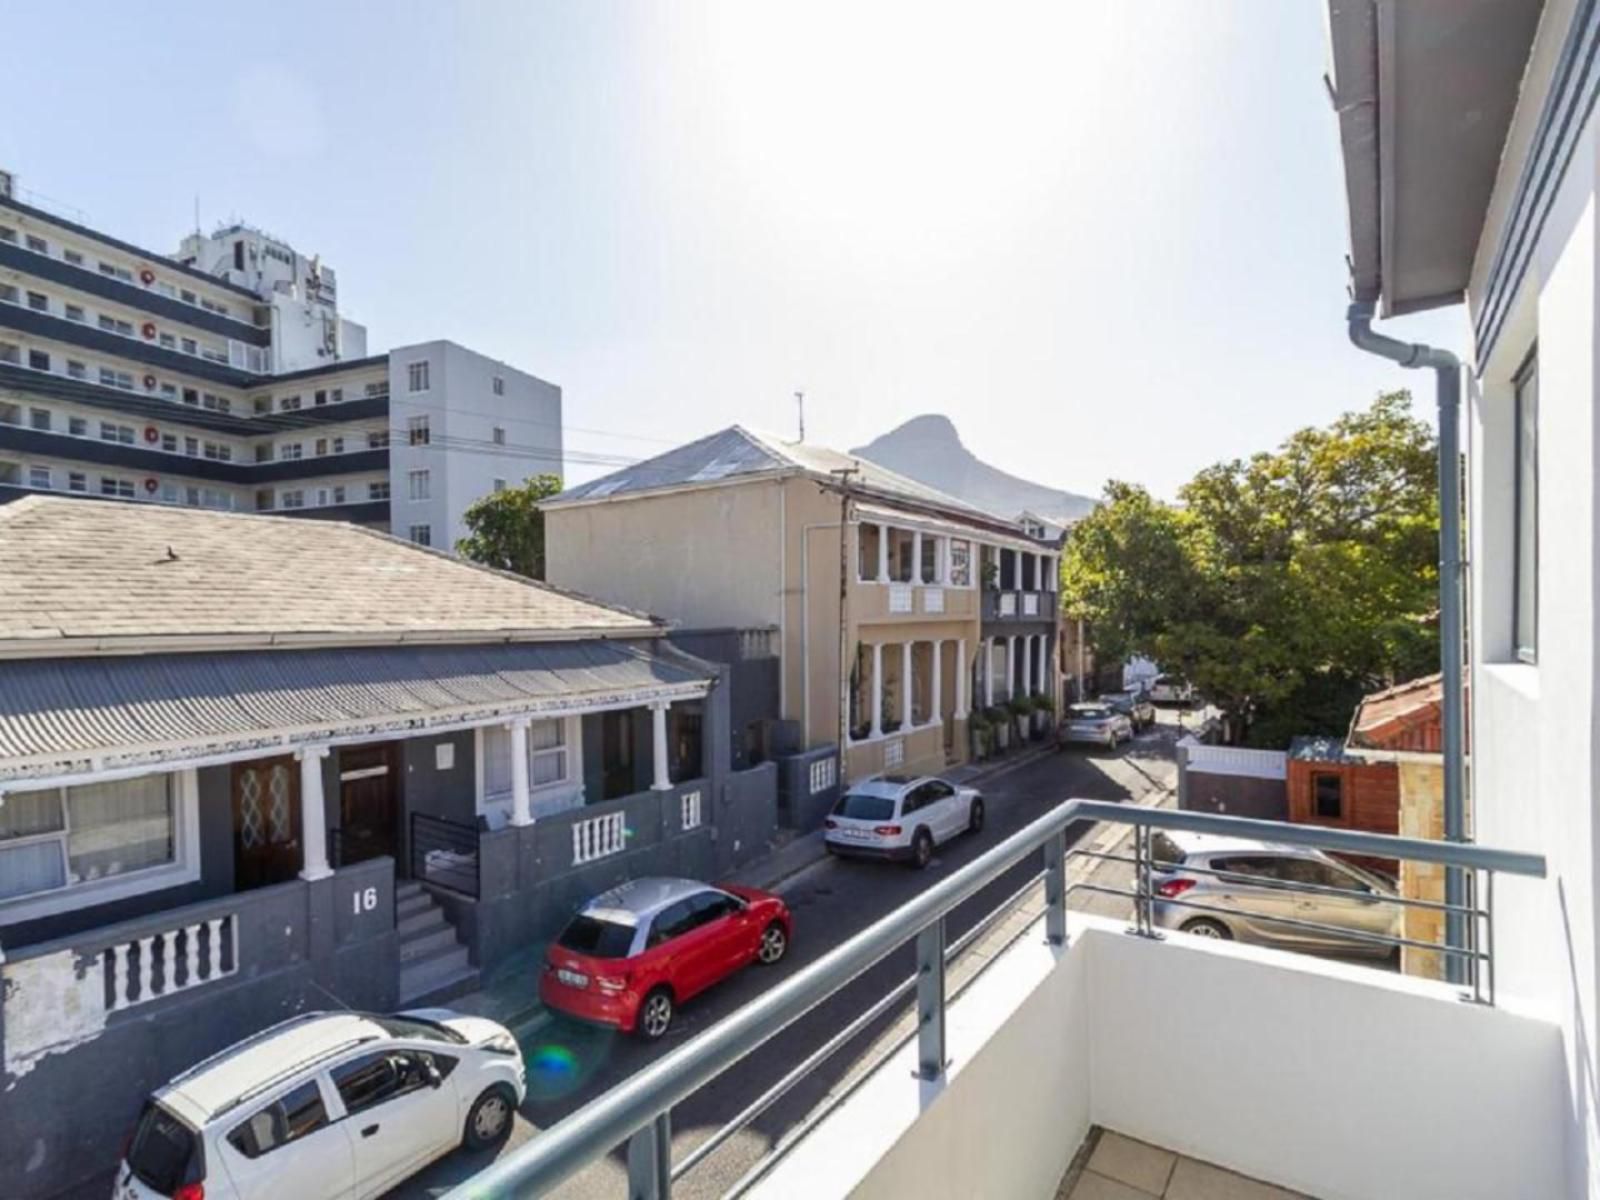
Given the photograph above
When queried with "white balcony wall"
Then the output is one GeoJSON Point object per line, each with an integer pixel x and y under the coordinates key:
{"type": "Point", "coordinates": [1335, 1080]}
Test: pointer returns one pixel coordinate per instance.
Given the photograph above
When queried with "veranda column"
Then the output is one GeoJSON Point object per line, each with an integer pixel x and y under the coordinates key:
{"type": "Point", "coordinates": [313, 814]}
{"type": "Point", "coordinates": [877, 690]}
{"type": "Point", "coordinates": [916, 556]}
{"type": "Point", "coordinates": [1012, 680]}
{"type": "Point", "coordinates": [1035, 662]}
{"type": "Point", "coordinates": [521, 807]}
{"type": "Point", "coordinates": [907, 718]}
{"type": "Point", "coordinates": [988, 671]}
{"type": "Point", "coordinates": [935, 716]}
{"type": "Point", "coordinates": [961, 679]}
{"type": "Point", "coordinates": [883, 554]}
{"type": "Point", "coordinates": [658, 745]}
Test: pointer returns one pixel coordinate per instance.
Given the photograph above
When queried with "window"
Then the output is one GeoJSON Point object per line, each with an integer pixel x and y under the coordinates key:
{"type": "Point", "coordinates": [218, 452]}
{"type": "Point", "coordinates": [8, 234]}
{"type": "Point", "coordinates": [422, 535]}
{"type": "Point", "coordinates": [76, 369]}
{"type": "Point", "coordinates": [115, 272]}
{"type": "Point", "coordinates": [191, 447]}
{"type": "Point", "coordinates": [169, 442]}
{"type": "Point", "coordinates": [117, 379]}
{"type": "Point", "coordinates": [293, 499]}
{"type": "Point", "coordinates": [417, 430]}
{"type": "Point", "coordinates": [39, 302]}
{"type": "Point", "coordinates": [37, 244]}
{"type": "Point", "coordinates": [337, 445]}
{"type": "Point", "coordinates": [378, 439]}
{"type": "Point", "coordinates": [1525, 561]}
{"type": "Point", "coordinates": [39, 418]}
{"type": "Point", "coordinates": [289, 404]}
{"type": "Point", "coordinates": [297, 1114]}
{"type": "Point", "coordinates": [499, 435]}
{"type": "Point", "coordinates": [39, 477]}
{"type": "Point", "coordinates": [187, 296]}
{"type": "Point", "coordinates": [66, 836]}
{"type": "Point", "coordinates": [112, 325]}
{"type": "Point", "coordinates": [73, 257]}
{"type": "Point", "coordinates": [77, 481]}
{"type": "Point", "coordinates": [960, 563]}
{"type": "Point", "coordinates": [673, 921]}
{"type": "Point", "coordinates": [291, 450]}
{"type": "Point", "coordinates": [74, 312]}
{"type": "Point", "coordinates": [335, 395]}
{"type": "Point", "coordinates": [595, 937]}
{"type": "Point", "coordinates": [547, 758]}
{"type": "Point", "coordinates": [378, 490]}
{"type": "Point", "coordinates": [374, 1079]}
{"type": "Point", "coordinates": [338, 494]}
{"type": "Point", "coordinates": [191, 396]}
{"type": "Point", "coordinates": [8, 294]}
{"type": "Point", "coordinates": [499, 485]}
{"type": "Point", "coordinates": [417, 377]}
{"type": "Point", "coordinates": [38, 360]}
{"type": "Point", "coordinates": [419, 485]}
{"type": "Point", "coordinates": [1327, 795]}
{"type": "Point", "coordinates": [110, 431]}
{"type": "Point", "coordinates": [10, 353]}
{"type": "Point", "coordinates": [189, 346]}
{"type": "Point", "coordinates": [499, 386]}
{"type": "Point", "coordinates": [319, 397]}
{"type": "Point", "coordinates": [168, 342]}
{"type": "Point", "coordinates": [78, 426]}
{"type": "Point", "coordinates": [321, 447]}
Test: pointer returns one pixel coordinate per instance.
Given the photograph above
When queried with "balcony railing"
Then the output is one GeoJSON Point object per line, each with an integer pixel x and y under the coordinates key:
{"type": "Point", "coordinates": [638, 1111]}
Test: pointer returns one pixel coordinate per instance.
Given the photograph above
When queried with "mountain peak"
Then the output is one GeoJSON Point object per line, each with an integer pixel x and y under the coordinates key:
{"type": "Point", "coordinates": [928, 448]}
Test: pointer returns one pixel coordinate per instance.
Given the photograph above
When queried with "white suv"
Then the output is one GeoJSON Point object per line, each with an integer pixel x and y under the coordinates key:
{"type": "Point", "coordinates": [326, 1106]}
{"type": "Point", "coordinates": [901, 817]}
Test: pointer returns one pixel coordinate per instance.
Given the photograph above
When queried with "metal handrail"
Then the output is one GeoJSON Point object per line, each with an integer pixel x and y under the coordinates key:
{"type": "Point", "coordinates": [429, 834]}
{"type": "Point", "coordinates": [637, 1110]}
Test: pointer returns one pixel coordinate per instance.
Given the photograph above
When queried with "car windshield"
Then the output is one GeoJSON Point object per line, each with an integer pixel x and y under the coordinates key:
{"type": "Point", "coordinates": [1090, 712]}
{"type": "Point", "coordinates": [161, 1150]}
{"type": "Point", "coordinates": [418, 1029]}
{"type": "Point", "coordinates": [597, 938]}
{"type": "Point", "coordinates": [858, 807]}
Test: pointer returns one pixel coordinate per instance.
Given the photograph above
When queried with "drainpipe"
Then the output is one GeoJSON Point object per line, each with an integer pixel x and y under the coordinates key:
{"type": "Point", "coordinates": [1447, 376]}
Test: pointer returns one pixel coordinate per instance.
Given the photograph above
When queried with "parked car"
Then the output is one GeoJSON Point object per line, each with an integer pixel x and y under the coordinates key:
{"type": "Point", "coordinates": [1094, 723]}
{"type": "Point", "coordinates": [1260, 886]}
{"type": "Point", "coordinates": [1134, 705]}
{"type": "Point", "coordinates": [901, 817]}
{"type": "Point", "coordinates": [633, 954]}
{"type": "Point", "coordinates": [1172, 689]}
{"type": "Point", "coordinates": [325, 1105]}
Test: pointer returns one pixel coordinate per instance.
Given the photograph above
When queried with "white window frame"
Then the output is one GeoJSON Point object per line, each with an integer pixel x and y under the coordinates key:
{"type": "Point", "coordinates": [419, 484]}
{"type": "Point", "coordinates": [418, 431]}
{"type": "Point", "coordinates": [184, 867]}
{"type": "Point", "coordinates": [571, 782]}
{"type": "Point", "coordinates": [421, 526]}
{"type": "Point", "coordinates": [417, 377]}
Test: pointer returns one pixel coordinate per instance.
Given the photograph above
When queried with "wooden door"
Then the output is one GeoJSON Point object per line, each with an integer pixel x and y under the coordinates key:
{"type": "Point", "coordinates": [266, 822]}
{"type": "Point", "coordinates": [369, 795]}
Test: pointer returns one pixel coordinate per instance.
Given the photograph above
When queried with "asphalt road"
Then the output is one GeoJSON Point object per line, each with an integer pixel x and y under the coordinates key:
{"type": "Point", "coordinates": [570, 1064]}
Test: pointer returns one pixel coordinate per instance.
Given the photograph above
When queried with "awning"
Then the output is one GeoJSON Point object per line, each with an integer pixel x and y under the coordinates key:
{"type": "Point", "coordinates": [70, 716]}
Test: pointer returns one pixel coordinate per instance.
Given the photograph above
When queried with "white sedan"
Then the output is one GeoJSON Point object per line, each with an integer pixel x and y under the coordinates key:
{"type": "Point", "coordinates": [901, 817]}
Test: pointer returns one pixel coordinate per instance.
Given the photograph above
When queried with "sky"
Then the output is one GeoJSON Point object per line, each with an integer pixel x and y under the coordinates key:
{"type": "Point", "coordinates": [1106, 240]}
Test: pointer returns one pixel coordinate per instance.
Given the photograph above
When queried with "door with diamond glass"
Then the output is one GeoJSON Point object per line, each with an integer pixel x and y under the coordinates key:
{"type": "Point", "coordinates": [266, 822]}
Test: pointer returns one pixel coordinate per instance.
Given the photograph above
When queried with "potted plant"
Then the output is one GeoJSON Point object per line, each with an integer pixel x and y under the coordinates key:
{"type": "Point", "coordinates": [990, 574]}
{"type": "Point", "coordinates": [982, 735]}
{"type": "Point", "coordinates": [1020, 708]}
{"type": "Point", "coordinates": [1043, 713]}
{"type": "Point", "coordinates": [1000, 722]}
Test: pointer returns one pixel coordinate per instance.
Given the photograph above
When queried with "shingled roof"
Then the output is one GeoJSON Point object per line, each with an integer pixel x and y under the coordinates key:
{"type": "Point", "coordinates": [80, 576]}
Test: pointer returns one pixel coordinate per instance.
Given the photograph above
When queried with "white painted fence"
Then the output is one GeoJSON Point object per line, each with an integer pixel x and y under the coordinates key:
{"type": "Point", "coordinates": [689, 810]}
{"type": "Point", "coordinates": [599, 837]}
{"type": "Point", "coordinates": [824, 773]}
{"type": "Point", "coordinates": [170, 961]}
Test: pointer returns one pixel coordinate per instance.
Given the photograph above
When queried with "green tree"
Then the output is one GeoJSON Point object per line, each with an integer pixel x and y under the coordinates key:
{"type": "Point", "coordinates": [1284, 585]}
{"type": "Point", "coordinates": [506, 528]}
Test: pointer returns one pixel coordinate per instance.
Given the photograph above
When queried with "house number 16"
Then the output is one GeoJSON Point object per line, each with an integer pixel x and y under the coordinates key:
{"type": "Point", "coordinates": [364, 901]}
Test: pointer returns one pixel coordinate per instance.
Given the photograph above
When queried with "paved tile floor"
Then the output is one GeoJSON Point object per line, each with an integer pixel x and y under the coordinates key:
{"type": "Point", "coordinates": [1119, 1168]}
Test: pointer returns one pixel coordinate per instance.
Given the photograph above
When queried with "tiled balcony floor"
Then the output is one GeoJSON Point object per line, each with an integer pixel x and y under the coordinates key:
{"type": "Point", "coordinates": [1113, 1167]}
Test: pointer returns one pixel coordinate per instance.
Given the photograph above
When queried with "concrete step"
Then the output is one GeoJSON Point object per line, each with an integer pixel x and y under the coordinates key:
{"type": "Point", "coordinates": [421, 921]}
{"type": "Point", "coordinates": [408, 887]}
{"type": "Point", "coordinates": [444, 990]}
{"type": "Point", "coordinates": [421, 944]}
{"type": "Point", "coordinates": [427, 974]}
{"type": "Point", "coordinates": [410, 906]}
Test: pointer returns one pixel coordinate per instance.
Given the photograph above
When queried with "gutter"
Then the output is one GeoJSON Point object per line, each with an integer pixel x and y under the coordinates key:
{"type": "Point", "coordinates": [1447, 389]}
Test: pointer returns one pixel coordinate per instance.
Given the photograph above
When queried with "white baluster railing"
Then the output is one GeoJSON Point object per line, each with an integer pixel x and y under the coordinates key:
{"type": "Point", "coordinates": [689, 809]}
{"type": "Point", "coordinates": [131, 985]}
{"type": "Point", "coordinates": [599, 837]}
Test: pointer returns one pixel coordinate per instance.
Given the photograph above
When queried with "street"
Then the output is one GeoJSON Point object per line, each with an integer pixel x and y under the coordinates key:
{"type": "Point", "coordinates": [569, 1065]}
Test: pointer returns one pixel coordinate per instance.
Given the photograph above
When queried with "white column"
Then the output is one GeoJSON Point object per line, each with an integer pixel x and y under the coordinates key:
{"type": "Point", "coordinates": [907, 717]}
{"type": "Point", "coordinates": [313, 814]}
{"type": "Point", "coordinates": [916, 556]}
{"type": "Point", "coordinates": [521, 806]}
{"type": "Point", "coordinates": [1014, 678]}
{"type": "Point", "coordinates": [883, 554]}
{"type": "Point", "coordinates": [877, 690]}
{"type": "Point", "coordinates": [944, 561]}
{"type": "Point", "coordinates": [1038, 663]}
{"type": "Point", "coordinates": [658, 745]}
{"type": "Point", "coordinates": [935, 713]}
{"type": "Point", "coordinates": [961, 679]}
{"type": "Point", "coordinates": [988, 672]}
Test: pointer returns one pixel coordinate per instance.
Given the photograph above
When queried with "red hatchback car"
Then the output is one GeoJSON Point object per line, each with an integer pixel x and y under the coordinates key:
{"type": "Point", "coordinates": [633, 954]}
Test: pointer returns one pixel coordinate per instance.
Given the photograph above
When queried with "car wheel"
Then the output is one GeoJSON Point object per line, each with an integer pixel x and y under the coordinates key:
{"type": "Point", "coordinates": [921, 849]}
{"type": "Point", "coordinates": [489, 1119]}
{"type": "Point", "coordinates": [655, 1015]}
{"type": "Point", "coordinates": [975, 816]}
{"type": "Point", "coordinates": [1111, 739]}
{"type": "Point", "coordinates": [1207, 928]}
{"type": "Point", "coordinates": [774, 944]}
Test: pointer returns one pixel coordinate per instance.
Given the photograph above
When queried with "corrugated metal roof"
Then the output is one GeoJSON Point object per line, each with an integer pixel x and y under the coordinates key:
{"type": "Point", "coordinates": [57, 714]}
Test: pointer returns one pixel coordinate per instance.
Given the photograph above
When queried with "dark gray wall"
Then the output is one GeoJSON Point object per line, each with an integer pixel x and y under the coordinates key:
{"type": "Point", "coordinates": [216, 875]}
{"type": "Point", "coordinates": [1232, 795]}
{"type": "Point", "coordinates": [746, 816]}
{"type": "Point", "coordinates": [297, 942]}
{"type": "Point", "coordinates": [451, 794]}
{"type": "Point", "coordinates": [752, 681]}
{"type": "Point", "coordinates": [798, 809]}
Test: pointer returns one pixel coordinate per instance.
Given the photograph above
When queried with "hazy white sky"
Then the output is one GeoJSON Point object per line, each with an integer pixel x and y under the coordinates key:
{"type": "Point", "coordinates": [1105, 239]}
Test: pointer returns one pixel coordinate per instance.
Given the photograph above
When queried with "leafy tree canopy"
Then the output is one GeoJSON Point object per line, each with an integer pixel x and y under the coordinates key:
{"type": "Point", "coordinates": [1284, 585]}
{"type": "Point", "coordinates": [506, 528]}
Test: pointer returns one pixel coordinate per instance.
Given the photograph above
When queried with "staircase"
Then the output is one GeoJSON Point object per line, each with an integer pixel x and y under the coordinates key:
{"type": "Point", "coordinates": [433, 962]}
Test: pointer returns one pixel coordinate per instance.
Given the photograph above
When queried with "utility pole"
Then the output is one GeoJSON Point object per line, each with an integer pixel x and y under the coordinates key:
{"type": "Point", "coordinates": [844, 474]}
{"type": "Point", "coordinates": [800, 406]}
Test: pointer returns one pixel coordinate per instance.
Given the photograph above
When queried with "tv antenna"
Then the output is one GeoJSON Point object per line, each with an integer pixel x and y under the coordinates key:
{"type": "Point", "coordinates": [800, 408]}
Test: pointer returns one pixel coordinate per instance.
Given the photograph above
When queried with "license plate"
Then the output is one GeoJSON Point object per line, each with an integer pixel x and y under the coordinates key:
{"type": "Point", "coordinates": [856, 834]}
{"type": "Point", "coordinates": [572, 978]}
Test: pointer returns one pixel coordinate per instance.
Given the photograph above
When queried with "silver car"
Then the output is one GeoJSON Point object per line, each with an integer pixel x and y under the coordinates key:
{"type": "Point", "coordinates": [1260, 888]}
{"type": "Point", "coordinates": [1095, 724]}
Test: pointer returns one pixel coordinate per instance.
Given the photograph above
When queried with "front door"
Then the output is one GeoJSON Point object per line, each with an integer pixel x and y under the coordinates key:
{"type": "Point", "coordinates": [369, 783]}
{"type": "Point", "coordinates": [616, 749]}
{"type": "Point", "coordinates": [266, 822]}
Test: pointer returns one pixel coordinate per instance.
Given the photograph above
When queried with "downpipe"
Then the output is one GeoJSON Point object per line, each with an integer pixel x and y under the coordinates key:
{"type": "Point", "coordinates": [1447, 380]}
